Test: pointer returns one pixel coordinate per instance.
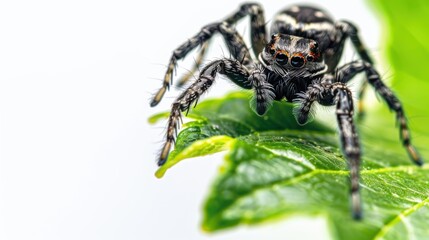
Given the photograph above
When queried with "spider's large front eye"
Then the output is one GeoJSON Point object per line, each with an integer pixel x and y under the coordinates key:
{"type": "Point", "coordinates": [297, 62]}
{"type": "Point", "coordinates": [281, 58]}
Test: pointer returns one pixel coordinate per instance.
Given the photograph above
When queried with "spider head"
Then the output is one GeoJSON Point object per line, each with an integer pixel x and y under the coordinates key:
{"type": "Point", "coordinates": [289, 55]}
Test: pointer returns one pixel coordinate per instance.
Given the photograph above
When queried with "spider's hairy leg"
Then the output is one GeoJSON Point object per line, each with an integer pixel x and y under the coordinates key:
{"type": "Point", "coordinates": [257, 24]}
{"type": "Point", "coordinates": [337, 94]}
{"type": "Point", "coordinates": [184, 79]}
{"type": "Point", "coordinates": [351, 69]}
{"type": "Point", "coordinates": [232, 69]}
{"type": "Point", "coordinates": [349, 142]}
{"type": "Point", "coordinates": [257, 31]}
{"type": "Point", "coordinates": [304, 102]}
{"type": "Point", "coordinates": [181, 52]}
{"type": "Point", "coordinates": [361, 96]}
{"type": "Point", "coordinates": [258, 36]}
{"type": "Point", "coordinates": [351, 31]}
{"type": "Point", "coordinates": [264, 92]}
{"type": "Point", "coordinates": [395, 105]}
{"type": "Point", "coordinates": [232, 39]}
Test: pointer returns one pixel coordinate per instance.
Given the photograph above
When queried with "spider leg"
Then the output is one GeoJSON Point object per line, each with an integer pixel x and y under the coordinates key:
{"type": "Point", "coordinates": [349, 70]}
{"type": "Point", "coordinates": [184, 79]}
{"type": "Point", "coordinates": [337, 94]}
{"type": "Point", "coordinates": [361, 96]}
{"type": "Point", "coordinates": [264, 92]}
{"type": "Point", "coordinates": [232, 39]}
{"type": "Point", "coordinates": [257, 24]}
{"type": "Point", "coordinates": [351, 31]}
{"type": "Point", "coordinates": [232, 69]}
{"type": "Point", "coordinates": [305, 100]}
{"type": "Point", "coordinates": [349, 142]}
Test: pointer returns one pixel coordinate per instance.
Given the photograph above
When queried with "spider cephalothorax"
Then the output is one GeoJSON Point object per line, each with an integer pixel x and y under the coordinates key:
{"type": "Point", "coordinates": [298, 63]}
{"type": "Point", "coordinates": [286, 54]}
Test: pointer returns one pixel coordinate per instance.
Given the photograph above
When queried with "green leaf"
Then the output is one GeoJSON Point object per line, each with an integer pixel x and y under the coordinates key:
{"type": "Point", "coordinates": [275, 168]}
{"type": "Point", "coordinates": [226, 120]}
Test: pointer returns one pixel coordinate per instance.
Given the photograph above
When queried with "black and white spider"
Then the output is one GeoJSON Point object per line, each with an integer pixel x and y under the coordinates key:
{"type": "Point", "coordinates": [298, 63]}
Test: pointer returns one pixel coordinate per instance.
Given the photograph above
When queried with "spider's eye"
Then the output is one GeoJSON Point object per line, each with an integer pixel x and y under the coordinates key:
{"type": "Point", "coordinates": [281, 59]}
{"type": "Point", "coordinates": [297, 62]}
{"type": "Point", "coordinates": [310, 58]}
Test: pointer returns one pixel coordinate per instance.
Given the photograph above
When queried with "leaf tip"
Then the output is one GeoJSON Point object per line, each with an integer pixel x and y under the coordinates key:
{"type": "Point", "coordinates": [155, 118]}
{"type": "Point", "coordinates": [205, 228]}
{"type": "Point", "coordinates": [160, 172]}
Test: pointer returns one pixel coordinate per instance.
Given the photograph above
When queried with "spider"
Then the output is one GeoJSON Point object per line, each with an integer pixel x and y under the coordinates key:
{"type": "Point", "coordinates": [297, 63]}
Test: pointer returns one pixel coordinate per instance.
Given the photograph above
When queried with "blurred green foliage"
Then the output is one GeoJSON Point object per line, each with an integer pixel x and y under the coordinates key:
{"type": "Point", "coordinates": [406, 45]}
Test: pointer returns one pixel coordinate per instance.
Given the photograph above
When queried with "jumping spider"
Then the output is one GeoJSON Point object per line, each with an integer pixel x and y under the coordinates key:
{"type": "Point", "coordinates": [298, 63]}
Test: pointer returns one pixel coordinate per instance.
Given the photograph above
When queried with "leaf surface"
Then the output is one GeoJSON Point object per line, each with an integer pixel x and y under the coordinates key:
{"type": "Point", "coordinates": [274, 167]}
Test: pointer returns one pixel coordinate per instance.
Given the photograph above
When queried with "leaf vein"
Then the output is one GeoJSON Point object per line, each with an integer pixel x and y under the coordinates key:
{"type": "Point", "coordinates": [387, 227]}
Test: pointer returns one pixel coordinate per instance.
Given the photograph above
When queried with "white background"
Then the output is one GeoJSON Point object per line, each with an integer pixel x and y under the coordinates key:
{"type": "Point", "coordinates": [77, 156]}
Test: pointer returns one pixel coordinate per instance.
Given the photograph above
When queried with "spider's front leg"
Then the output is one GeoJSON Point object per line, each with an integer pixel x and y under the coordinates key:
{"type": "Point", "coordinates": [349, 142]}
{"type": "Point", "coordinates": [337, 94]}
{"type": "Point", "coordinates": [233, 40]}
{"type": "Point", "coordinates": [232, 69]}
{"type": "Point", "coordinates": [263, 92]}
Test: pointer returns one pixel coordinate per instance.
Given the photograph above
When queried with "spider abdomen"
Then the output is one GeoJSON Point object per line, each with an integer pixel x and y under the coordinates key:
{"type": "Point", "coordinates": [313, 23]}
{"type": "Point", "coordinates": [300, 20]}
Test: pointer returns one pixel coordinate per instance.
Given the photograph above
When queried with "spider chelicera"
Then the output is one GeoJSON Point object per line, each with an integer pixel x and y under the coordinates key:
{"type": "Point", "coordinates": [298, 63]}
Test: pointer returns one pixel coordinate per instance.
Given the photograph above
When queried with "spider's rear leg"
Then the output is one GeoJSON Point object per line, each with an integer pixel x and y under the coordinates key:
{"type": "Point", "coordinates": [337, 94]}
{"type": "Point", "coordinates": [181, 52]}
{"type": "Point", "coordinates": [351, 31]}
{"type": "Point", "coordinates": [232, 39]}
{"type": "Point", "coordinates": [349, 70]}
{"type": "Point", "coordinates": [198, 61]}
{"type": "Point", "coordinates": [232, 69]}
{"type": "Point", "coordinates": [395, 105]}
{"type": "Point", "coordinates": [258, 36]}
